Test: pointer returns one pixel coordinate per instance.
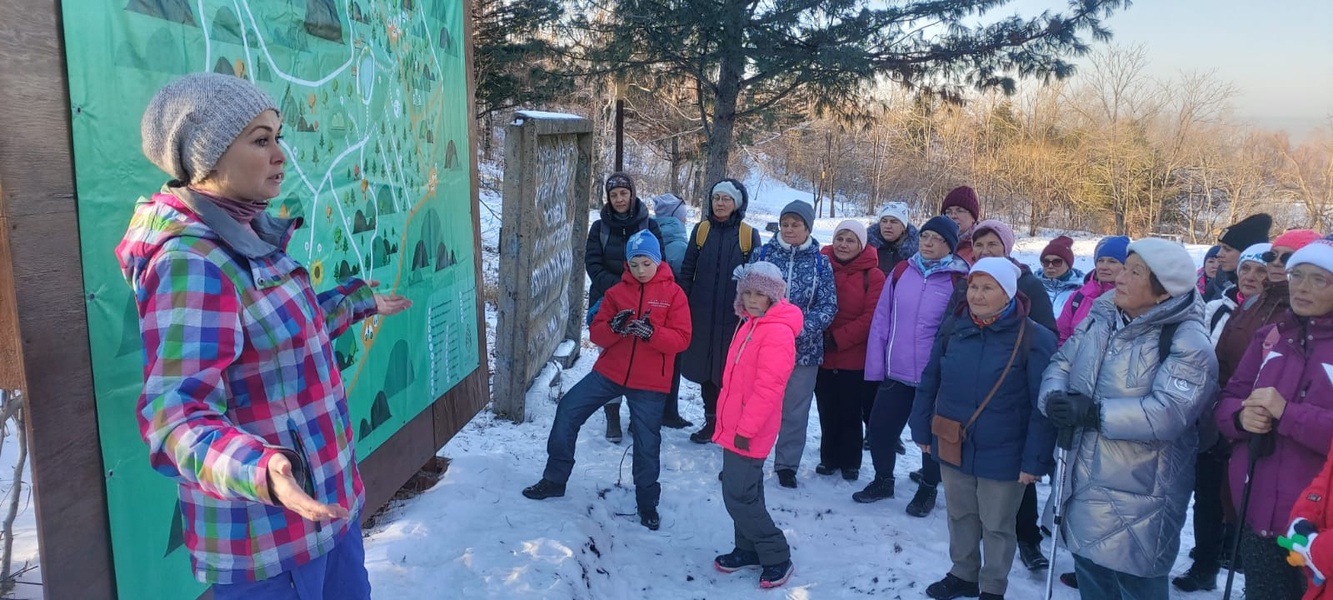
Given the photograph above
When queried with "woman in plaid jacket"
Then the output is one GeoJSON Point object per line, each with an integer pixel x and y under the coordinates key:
{"type": "Point", "coordinates": [243, 404]}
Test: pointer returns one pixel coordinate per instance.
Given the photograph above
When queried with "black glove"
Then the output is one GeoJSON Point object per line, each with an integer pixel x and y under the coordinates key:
{"type": "Point", "coordinates": [830, 344]}
{"type": "Point", "coordinates": [618, 322]}
{"type": "Point", "coordinates": [1072, 410]}
{"type": "Point", "coordinates": [741, 442]}
{"type": "Point", "coordinates": [642, 328]}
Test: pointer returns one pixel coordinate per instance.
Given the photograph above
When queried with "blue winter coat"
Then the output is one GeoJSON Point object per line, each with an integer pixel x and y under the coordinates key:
{"type": "Point", "coordinates": [674, 239]}
{"type": "Point", "coordinates": [810, 287]}
{"type": "Point", "coordinates": [1010, 435]}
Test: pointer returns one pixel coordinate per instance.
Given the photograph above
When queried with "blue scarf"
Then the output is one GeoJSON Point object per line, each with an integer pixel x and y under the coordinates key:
{"type": "Point", "coordinates": [931, 267]}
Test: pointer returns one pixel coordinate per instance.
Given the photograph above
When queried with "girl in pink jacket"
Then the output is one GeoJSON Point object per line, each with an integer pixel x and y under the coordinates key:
{"type": "Point", "coordinates": [749, 413]}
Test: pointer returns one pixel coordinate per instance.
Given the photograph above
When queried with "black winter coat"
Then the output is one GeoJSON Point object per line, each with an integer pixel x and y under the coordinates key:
{"type": "Point", "coordinates": [606, 264]}
{"type": "Point", "coordinates": [705, 275]}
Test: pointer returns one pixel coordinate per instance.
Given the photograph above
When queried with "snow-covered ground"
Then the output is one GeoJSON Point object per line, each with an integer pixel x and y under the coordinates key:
{"type": "Point", "coordinates": [475, 536]}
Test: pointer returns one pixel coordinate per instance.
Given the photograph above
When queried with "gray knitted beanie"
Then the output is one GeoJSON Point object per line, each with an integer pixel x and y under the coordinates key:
{"type": "Point", "coordinates": [192, 120]}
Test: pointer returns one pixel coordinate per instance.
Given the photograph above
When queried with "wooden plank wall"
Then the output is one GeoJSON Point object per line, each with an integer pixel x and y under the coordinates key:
{"type": "Point", "coordinates": [38, 213]}
{"type": "Point", "coordinates": [40, 210]}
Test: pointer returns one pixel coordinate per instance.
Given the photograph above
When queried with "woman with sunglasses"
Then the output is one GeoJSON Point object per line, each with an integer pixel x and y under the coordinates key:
{"type": "Point", "coordinates": [1280, 391]}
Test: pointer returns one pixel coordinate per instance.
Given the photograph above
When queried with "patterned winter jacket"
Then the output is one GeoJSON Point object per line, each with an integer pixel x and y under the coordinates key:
{"type": "Point", "coordinates": [238, 368]}
{"type": "Point", "coordinates": [810, 287]}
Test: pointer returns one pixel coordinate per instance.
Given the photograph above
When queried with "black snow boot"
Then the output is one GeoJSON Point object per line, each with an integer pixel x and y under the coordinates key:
{"type": "Point", "coordinates": [1198, 578]}
{"type": "Point", "coordinates": [823, 469]}
{"type": "Point", "coordinates": [879, 489]}
{"type": "Point", "coordinates": [952, 587]}
{"type": "Point", "coordinates": [736, 560]}
{"type": "Point", "coordinates": [613, 432]}
{"type": "Point", "coordinates": [776, 575]}
{"type": "Point", "coordinates": [787, 478]}
{"type": "Point", "coordinates": [1033, 559]}
{"type": "Point", "coordinates": [675, 422]}
{"type": "Point", "coordinates": [649, 518]}
{"type": "Point", "coordinates": [851, 474]}
{"type": "Point", "coordinates": [705, 433]}
{"type": "Point", "coordinates": [990, 596]}
{"type": "Point", "coordinates": [924, 500]}
{"type": "Point", "coordinates": [1070, 579]}
{"type": "Point", "coordinates": [544, 489]}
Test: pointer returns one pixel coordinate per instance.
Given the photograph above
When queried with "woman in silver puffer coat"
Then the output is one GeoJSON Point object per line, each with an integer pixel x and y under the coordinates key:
{"type": "Point", "coordinates": [1130, 468]}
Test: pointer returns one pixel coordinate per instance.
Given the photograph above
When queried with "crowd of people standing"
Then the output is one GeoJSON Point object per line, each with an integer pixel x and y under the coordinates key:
{"type": "Point", "coordinates": [1149, 377]}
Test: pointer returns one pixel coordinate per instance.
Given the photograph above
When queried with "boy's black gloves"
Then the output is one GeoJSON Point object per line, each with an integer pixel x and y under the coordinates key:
{"type": "Point", "coordinates": [741, 442]}
{"type": "Point", "coordinates": [619, 323]}
{"type": "Point", "coordinates": [641, 327]}
{"type": "Point", "coordinates": [1071, 410]}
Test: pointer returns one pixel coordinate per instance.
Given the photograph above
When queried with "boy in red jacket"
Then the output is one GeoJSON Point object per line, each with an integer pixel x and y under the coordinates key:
{"type": "Point", "coordinates": [643, 323]}
{"type": "Point", "coordinates": [1308, 539]}
{"type": "Point", "coordinates": [749, 414]}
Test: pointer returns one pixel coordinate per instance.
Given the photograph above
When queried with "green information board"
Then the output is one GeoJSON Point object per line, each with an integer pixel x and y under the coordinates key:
{"type": "Point", "coordinates": [374, 101]}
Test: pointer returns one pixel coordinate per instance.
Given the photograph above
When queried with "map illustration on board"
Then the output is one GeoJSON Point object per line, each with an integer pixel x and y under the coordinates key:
{"type": "Point", "coordinates": [374, 101]}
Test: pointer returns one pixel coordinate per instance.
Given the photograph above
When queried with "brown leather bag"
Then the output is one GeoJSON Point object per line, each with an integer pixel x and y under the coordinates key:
{"type": "Point", "coordinates": [949, 434]}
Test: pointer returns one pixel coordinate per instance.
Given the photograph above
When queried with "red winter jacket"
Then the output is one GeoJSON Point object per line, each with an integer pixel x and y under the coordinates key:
{"type": "Point", "coordinates": [859, 285]}
{"type": "Point", "coordinates": [629, 360]}
{"type": "Point", "coordinates": [759, 363]}
{"type": "Point", "coordinates": [1313, 505]}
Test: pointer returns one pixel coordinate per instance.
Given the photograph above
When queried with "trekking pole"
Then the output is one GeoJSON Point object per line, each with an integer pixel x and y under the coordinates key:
{"type": "Point", "coordinates": [1063, 443]}
{"type": "Point", "coordinates": [1259, 447]}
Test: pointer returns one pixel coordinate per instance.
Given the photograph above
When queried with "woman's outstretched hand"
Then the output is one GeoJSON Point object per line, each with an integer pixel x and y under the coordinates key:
{"type": "Point", "coordinates": [389, 304]}
{"type": "Point", "coordinates": [288, 493]}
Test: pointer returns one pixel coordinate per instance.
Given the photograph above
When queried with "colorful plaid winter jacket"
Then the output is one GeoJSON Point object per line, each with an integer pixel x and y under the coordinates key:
{"type": "Point", "coordinates": [238, 367]}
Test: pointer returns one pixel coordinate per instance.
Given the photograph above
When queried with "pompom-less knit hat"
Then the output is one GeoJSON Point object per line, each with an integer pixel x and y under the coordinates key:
{"type": "Point", "coordinates": [669, 205]}
{"type": "Point", "coordinates": [1002, 270]}
{"type": "Point", "coordinates": [644, 243]}
{"type": "Point", "coordinates": [620, 180]}
{"type": "Point", "coordinates": [763, 277]}
{"type": "Point", "coordinates": [945, 228]}
{"type": "Point", "coordinates": [1115, 246]}
{"type": "Point", "coordinates": [1002, 231]}
{"type": "Point", "coordinates": [803, 210]}
{"type": "Point", "coordinates": [1255, 254]}
{"type": "Point", "coordinates": [1062, 247]}
{"type": "Point", "coordinates": [1296, 239]}
{"type": "Point", "coordinates": [1318, 253]}
{"type": "Point", "coordinates": [897, 210]}
{"type": "Point", "coordinates": [191, 121]}
{"type": "Point", "coordinates": [857, 228]}
{"type": "Point", "coordinates": [1249, 231]}
{"type": "Point", "coordinates": [965, 198]}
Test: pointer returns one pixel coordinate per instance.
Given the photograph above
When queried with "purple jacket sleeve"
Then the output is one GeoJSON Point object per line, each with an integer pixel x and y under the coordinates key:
{"type": "Point", "coordinates": [879, 335]}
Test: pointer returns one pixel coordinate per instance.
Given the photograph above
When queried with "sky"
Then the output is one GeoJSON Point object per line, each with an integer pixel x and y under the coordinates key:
{"type": "Point", "coordinates": [1278, 53]}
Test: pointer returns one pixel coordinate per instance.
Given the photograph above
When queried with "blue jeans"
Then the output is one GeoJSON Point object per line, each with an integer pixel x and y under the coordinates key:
{"type": "Point", "coordinates": [1096, 582]}
{"type": "Point", "coordinates": [338, 575]}
{"type": "Point", "coordinates": [645, 427]}
{"type": "Point", "coordinates": [888, 417]}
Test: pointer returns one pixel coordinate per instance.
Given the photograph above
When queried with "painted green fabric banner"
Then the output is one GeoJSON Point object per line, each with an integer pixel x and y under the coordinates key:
{"type": "Point", "coordinates": [374, 101]}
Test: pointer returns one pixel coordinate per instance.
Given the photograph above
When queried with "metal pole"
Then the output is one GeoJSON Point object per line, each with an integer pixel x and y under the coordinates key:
{"type": "Point", "coordinates": [620, 134]}
{"type": "Point", "coordinates": [1063, 444]}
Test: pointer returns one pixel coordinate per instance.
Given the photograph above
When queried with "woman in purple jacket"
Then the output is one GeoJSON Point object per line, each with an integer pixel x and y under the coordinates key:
{"type": "Point", "coordinates": [902, 334]}
{"type": "Point", "coordinates": [1281, 391]}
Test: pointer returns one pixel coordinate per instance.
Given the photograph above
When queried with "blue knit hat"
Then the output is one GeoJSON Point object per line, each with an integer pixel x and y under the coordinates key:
{"type": "Point", "coordinates": [1116, 246]}
{"type": "Point", "coordinates": [644, 243]}
{"type": "Point", "coordinates": [945, 228]}
{"type": "Point", "coordinates": [1212, 253]}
